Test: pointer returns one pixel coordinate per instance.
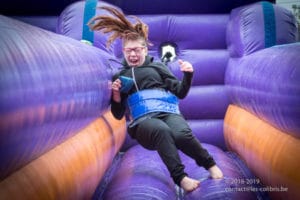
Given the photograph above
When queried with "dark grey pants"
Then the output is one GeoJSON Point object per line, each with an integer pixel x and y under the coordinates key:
{"type": "Point", "coordinates": [165, 133]}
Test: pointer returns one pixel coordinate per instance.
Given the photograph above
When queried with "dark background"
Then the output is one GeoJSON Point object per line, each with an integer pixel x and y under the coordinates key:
{"type": "Point", "coordinates": [55, 7]}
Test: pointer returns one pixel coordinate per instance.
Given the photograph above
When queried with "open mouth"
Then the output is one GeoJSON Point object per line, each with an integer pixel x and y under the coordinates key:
{"type": "Point", "coordinates": [134, 61]}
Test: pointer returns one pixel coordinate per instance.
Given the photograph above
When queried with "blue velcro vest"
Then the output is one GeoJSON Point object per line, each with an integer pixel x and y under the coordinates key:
{"type": "Point", "coordinates": [152, 100]}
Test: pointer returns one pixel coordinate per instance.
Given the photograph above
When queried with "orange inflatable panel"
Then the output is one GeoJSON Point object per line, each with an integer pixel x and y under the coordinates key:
{"type": "Point", "coordinates": [71, 170]}
{"type": "Point", "coordinates": [271, 155]}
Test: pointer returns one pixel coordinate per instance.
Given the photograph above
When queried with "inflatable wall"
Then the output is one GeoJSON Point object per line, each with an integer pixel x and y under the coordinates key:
{"type": "Point", "coordinates": [60, 141]}
{"type": "Point", "coordinates": [262, 122]}
{"type": "Point", "coordinates": [57, 135]}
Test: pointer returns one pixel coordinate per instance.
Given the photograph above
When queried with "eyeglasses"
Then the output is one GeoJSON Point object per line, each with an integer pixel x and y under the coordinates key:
{"type": "Point", "coordinates": [137, 50]}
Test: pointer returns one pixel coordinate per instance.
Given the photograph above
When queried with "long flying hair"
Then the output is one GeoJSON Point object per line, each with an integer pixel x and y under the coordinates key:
{"type": "Point", "coordinates": [119, 26]}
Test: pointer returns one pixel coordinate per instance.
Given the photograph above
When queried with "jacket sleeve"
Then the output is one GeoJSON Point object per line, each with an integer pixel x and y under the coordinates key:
{"type": "Point", "coordinates": [118, 109]}
{"type": "Point", "coordinates": [177, 87]}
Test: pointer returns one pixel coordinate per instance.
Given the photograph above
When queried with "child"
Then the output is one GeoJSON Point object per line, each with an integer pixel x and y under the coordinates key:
{"type": "Point", "coordinates": [152, 100]}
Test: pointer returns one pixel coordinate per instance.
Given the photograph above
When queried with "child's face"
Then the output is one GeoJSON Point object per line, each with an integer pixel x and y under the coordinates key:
{"type": "Point", "coordinates": [135, 52]}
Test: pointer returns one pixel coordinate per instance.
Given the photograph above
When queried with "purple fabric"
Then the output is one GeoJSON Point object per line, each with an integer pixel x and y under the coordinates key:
{"type": "Point", "coordinates": [211, 189]}
{"type": "Point", "coordinates": [46, 22]}
{"type": "Point", "coordinates": [209, 131]}
{"type": "Point", "coordinates": [209, 30]}
{"type": "Point", "coordinates": [267, 83]}
{"type": "Point", "coordinates": [286, 31]}
{"type": "Point", "coordinates": [70, 24]}
{"type": "Point", "coordinates": [51, 86]}
{"type": "Point", "coordinates": [209, 65]}
{"type": "Point", "coordinates": [142, 175]}
{"type": "Point", "coordinates": [245, 30]}
{"type": "Point", "coordinates": [205, 102]}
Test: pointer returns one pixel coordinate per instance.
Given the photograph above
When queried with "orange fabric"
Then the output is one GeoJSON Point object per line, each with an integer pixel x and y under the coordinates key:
{"type": "Point", "coordinates": [271, 155]}
{"type": "Point", "coordinates": [73, 169]}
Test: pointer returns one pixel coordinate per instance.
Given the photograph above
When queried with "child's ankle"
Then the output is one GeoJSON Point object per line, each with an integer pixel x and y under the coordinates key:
{"type": "Point", "coordinates": [215, 172]}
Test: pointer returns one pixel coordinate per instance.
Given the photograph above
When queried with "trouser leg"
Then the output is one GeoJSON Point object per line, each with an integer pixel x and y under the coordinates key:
{"type": "Point", "coordinates": [154, 134]}
{"type": "Point", "coordinates": [187, 142]}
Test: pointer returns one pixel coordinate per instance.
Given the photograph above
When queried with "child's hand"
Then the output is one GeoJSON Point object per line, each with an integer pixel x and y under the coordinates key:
{"type": "Point", "coordinates": [185, 66]}
{"type": "Point", "coordinates": [115, 86]}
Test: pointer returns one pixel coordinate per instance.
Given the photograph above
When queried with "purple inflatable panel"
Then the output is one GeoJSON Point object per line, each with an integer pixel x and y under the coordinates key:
{"type": "Point", "coordinates": [267, 83]}
{"type": "Point", "coordinates": [142, 175]}
{"type": "Point", "coordinates": [209, 131]}
{"type": "Point", "coordinates": [208, 30]}
{"type": "Point", "coordinates": [70, 23]}
{"type": "Point", "coordinates": [235, 177]}
{"type": "Point", "coordinates": [209, 65]}
{"type": "Point", "coordinates": [46, 22]}
{"type": "Point", "coordinates": [248, 30]}
{"type": "Point", "coordinates": [51, 86]}
{"type": "Point", "coordinates": [205, 102]}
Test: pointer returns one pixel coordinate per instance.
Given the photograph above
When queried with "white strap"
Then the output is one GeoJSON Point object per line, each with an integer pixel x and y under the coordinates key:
{"type": "Point", "coordinates": [133, 77]}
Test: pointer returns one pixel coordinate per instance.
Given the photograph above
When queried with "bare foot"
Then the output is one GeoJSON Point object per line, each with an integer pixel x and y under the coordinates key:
{"type": "Point", "coordinates": [189, 184]}
{"type": "Point", "coordinates": [215, 172]}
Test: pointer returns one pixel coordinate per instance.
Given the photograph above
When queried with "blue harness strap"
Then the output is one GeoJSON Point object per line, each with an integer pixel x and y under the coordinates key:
{"type": "Point", "coordinates": [152, 100]}
{"type": "Point", "coordinates": [270, 24]}
{"type": "Point", "coordinates": [89, 12]}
